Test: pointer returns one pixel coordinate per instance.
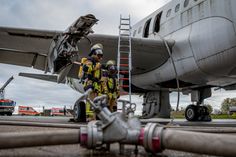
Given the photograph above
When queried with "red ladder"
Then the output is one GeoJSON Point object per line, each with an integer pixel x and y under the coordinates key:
{"type": "Point", "coordinates": [124, 63]}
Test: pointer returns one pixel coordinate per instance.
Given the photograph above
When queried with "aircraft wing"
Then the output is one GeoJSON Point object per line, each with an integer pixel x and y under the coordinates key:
{"type": "Point", "coordinates": [28, 47]}
{"type": "Point", "coordinates": [25, 47]}
{"type": "Point", "coordinates": [51, 78]}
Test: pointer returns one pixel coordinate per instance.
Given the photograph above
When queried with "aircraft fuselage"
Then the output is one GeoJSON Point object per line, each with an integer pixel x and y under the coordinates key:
{"type": "Point", "coordinates": [205, 43]}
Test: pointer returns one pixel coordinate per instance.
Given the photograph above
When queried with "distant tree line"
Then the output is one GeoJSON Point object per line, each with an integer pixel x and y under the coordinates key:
{"type": "Point", "coordinates": [226, 104]}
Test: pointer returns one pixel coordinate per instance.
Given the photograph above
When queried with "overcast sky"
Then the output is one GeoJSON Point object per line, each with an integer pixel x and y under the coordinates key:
{"type": "Point", "coordinates": [58, 15]}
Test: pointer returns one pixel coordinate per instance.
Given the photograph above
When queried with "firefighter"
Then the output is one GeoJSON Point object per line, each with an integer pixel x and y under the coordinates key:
{"type": "Point", "coordinates": [110, 85]}
{"type": "Point", "coordinates": [90, 75]}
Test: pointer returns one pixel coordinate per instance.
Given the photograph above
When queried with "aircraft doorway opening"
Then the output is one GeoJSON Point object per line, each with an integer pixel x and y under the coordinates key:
{"type": "Point", "coordinates": [157, 23]}
{"type": "Point", "coordinates": [146, 28]}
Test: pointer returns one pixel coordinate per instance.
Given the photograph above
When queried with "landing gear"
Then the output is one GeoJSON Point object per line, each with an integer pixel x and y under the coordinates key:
{"type": "Point", "coordinates": [191, 113]}
{"type": "Point", "coordinates": [9, 114]}
{"type": "Point", "coordinates": [156, 105]}
{"type": "Point", "coordinates": [197, 113]}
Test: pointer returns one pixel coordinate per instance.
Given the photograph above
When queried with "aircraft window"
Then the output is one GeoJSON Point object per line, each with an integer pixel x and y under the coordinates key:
{"type": "Point", "coordinates": [168, 13]}
{"type": "Point", "coordinates": [157, 23]}
{"type": "Point", "coordinates": [186, 2]}
{"type": "Point", "coordinates": [134, 33]}
{"type": "Point", "coordinates": [177, 8]}
{"type": "Point", "coordinates": [139, 30]}
{"type": "Point", "coordinates": [146, 28]}
{"type": "Point", "coordinates": [195, 0]}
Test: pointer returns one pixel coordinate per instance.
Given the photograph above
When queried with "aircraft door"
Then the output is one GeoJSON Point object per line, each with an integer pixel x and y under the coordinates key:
{"type": "Point", "coordinates": [146, 28]}
{"type": "Point", "coordinates": [157, 24]}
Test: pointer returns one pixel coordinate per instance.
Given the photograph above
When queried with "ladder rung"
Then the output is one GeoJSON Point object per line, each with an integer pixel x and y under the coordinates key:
{"type": "Point", "coordinates": [124, 61]}
{"type": "Point", "coordinates": [124, 38]}
{"type": "Point", "coordinates": [124, 49]}
{"type": "Point", "coordinates": [124, 86]}
{"type": "Point", "coordinates": [124, 93]}
{"type": "Point", "coordinates": [124, 78]}
{"type": "Point", "coordinates": [124, 65]}
{"type": "Point", "coordinates": [124, 34]}
{"type": "Point", "coordinates": [124, 52]}
{"type": "Point", "coordinates": [123, 29]}
{"type": "Point", "coordinates": [125, 19]}
{"type": "Point", "coordinates": [124, 71]}
{"type": "Point", "coordinates": [124, 58]}
{"type": "Point", "coordinates": [124, 45]}
{"type": "Point", "coordinates": [125, 24]}
{"type": "Point", "coordinates": [124, 42]}
{"type": "Point", "coordinates": [124, 68]}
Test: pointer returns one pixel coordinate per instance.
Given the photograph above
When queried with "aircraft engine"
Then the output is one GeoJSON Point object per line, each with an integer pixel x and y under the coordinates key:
{"type": "Point", "coordinates": [64, 47]}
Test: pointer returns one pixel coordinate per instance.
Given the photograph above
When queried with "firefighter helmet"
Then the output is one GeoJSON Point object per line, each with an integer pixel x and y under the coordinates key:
{"type": "Point", "coordinates": [111, 67]}
{"type": "Point", "coordinates": [110, 62]}
{"type": "Point", "coordinates": [96, 49]}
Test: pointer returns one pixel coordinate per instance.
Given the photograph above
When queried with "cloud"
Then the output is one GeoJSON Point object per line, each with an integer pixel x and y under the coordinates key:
{"type": "Point", "coordinates": [59, 14]}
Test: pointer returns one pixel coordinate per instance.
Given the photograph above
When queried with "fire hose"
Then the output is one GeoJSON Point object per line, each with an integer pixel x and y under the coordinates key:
{"type": "Point", "coordinates": [153, 137]}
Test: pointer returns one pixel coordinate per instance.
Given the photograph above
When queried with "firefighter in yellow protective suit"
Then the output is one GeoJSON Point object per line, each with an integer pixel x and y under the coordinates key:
{"type": "Point", "coordinates": [90, 75]}
{"type": "Point", "coordinates": [110, 85]}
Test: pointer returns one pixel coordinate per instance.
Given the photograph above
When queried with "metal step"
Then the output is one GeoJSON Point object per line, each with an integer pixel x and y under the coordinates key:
{"type": "Point", "coordinates": [124, 78]}
{"type": "Point", "coordinates": [126, 24]}
{"type": "Point", "coordinates": [124, 72]}
{"type": "Point", "coordinates": [125, 19]}
{"type": "Point", "coordinates": [125, 35]}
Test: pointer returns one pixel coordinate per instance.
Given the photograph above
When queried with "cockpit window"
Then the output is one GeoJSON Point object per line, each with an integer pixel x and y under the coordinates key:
{"type": "Point", "coordinates": [157, 23]}
{"type": "Point", "coordinates": [146, 28]}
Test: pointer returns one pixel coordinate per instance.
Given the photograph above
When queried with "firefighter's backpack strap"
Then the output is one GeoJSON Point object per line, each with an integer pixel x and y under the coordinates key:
{"type": "Point", "coordinates": [81, 72]}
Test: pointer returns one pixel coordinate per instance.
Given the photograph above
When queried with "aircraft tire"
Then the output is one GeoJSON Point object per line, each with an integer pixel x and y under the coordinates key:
{"type": "Point", "coordinates": [9, 114]}
{"type": "Point", "coordinates": [80, 112]}
{"type": "Point", "coordinates": [191, 113]}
